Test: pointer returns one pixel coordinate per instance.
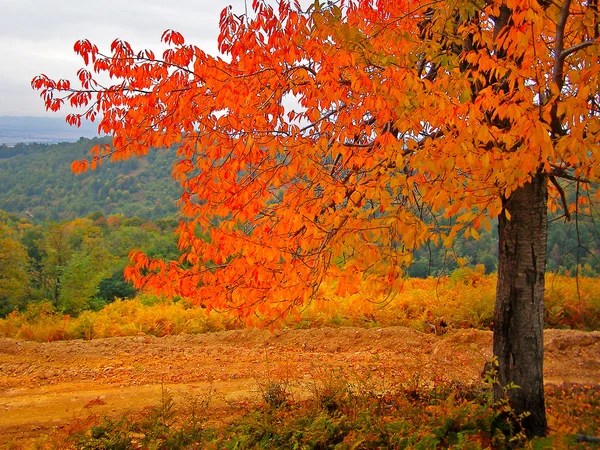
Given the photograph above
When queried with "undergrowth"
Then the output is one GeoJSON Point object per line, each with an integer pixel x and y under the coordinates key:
{"type": "Point", "coordinates": [464, 300]}
{"type": "Point", "coordinates": [336, 413]}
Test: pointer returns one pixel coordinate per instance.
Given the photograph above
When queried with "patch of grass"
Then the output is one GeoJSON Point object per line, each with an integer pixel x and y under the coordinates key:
{"type": "Point", "coordinates": [275, 393]}
{"type": "Point", "coordinates": [338, 414]}
{"type": "Point", "coordinates": [164, 426]}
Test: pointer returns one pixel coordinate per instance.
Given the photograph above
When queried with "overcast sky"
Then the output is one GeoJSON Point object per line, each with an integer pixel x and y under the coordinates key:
{"type": "Point", "coordinates": [37, 36]}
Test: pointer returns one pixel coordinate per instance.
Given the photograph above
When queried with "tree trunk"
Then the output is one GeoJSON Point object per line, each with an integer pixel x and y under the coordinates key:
{"type": "Point", "coordinates": [519, 312]}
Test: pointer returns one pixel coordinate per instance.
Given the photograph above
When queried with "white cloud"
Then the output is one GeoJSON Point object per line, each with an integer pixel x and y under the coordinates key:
{"type": "Point", "coordinates": [37, 36]}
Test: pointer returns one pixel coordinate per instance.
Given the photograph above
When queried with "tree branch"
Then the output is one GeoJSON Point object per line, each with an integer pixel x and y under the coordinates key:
{"type": "Point", "coordinates": [325, 117]}
{"type": "Point", "coordinates": [584, 438]}
{"type": "Point", "coordinates": [557, 72]}
{"type": "Point", "coordinates": [561, 173]}
{"type": "Point", "coordinates": [563, 197]}
{"type": "Point", "coordinates": [563, 55]}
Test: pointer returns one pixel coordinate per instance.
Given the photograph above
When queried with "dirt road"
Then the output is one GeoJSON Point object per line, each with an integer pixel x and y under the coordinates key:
{"type": "Point", "coordinates": [44, 386]}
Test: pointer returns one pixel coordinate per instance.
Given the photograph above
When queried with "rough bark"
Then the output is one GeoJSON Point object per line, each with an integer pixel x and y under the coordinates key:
{"type": "Point", "coordinates": [519, 311]}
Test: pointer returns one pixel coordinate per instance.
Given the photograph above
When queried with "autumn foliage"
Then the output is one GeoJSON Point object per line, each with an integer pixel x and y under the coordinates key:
{"type": "Point", "coordinates": [464, 300]}
{"type": "Point", "coordinates": [326, 144]}
{"type": "Point", "coordinates": [332, 142]}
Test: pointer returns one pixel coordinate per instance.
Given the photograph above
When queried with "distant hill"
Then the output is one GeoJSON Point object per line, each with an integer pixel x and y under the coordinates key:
{"type": "Point", "coordinates": [36, 181]}
{"type": "Point", "coordinates": [14, 129]}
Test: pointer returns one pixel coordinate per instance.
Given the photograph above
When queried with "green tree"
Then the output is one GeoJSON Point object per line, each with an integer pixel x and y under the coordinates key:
{"type": "Point", "coordinates": [75, 260]}
{"type": "Point", "coordinates": [14, 277]}
{"type": "Point", "coordinates": [56, 252]}
{"type": "Point", "coordinates": [82, 274]}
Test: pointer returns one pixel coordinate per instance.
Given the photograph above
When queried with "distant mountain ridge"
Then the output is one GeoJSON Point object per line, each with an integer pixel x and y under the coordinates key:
{"type": "Point", "coordinates": [46, 130]}
{"type": "Point", "coordinates": [36, 181]}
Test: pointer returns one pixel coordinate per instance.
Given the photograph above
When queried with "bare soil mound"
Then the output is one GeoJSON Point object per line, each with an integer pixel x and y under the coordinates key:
{"type": "Point", "coordinates": [44, 386]}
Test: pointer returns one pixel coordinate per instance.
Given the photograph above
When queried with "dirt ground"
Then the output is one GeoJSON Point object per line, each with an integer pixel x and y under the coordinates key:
{"type": "Point", "coordinates": [46, 386]}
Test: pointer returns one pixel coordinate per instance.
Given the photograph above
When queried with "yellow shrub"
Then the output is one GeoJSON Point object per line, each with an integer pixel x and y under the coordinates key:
{"type": "Point", "coordinates": [463, 300]}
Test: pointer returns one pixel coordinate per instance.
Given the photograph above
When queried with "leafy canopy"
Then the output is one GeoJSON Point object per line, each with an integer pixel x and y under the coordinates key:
{"type": "Point", "coordinates": [334, 141]}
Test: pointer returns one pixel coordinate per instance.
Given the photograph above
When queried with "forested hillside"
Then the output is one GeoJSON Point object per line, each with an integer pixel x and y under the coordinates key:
{"type": "Point", "coordinates": [36, 181]}
{"type": "Point", "coordinates": [78, 264]}
{"type": "Point", "coordinates": [573, 249]}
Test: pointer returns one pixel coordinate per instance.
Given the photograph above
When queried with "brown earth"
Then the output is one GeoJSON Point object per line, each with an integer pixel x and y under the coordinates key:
{"type": "Point", "coordinates": [46, 386]}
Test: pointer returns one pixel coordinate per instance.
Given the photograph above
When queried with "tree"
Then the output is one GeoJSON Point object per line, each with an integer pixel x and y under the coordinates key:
{"type": "Point", "coordinates": [75, 260]}
{"type": "Point", "coordinates": [328, 142]}
{"type": "Point", "coordinates": [14, 277]}
{"type": "Point", "coordinates": [57, 250]}
{"type": "Point", "coordinates": [82, 274]}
